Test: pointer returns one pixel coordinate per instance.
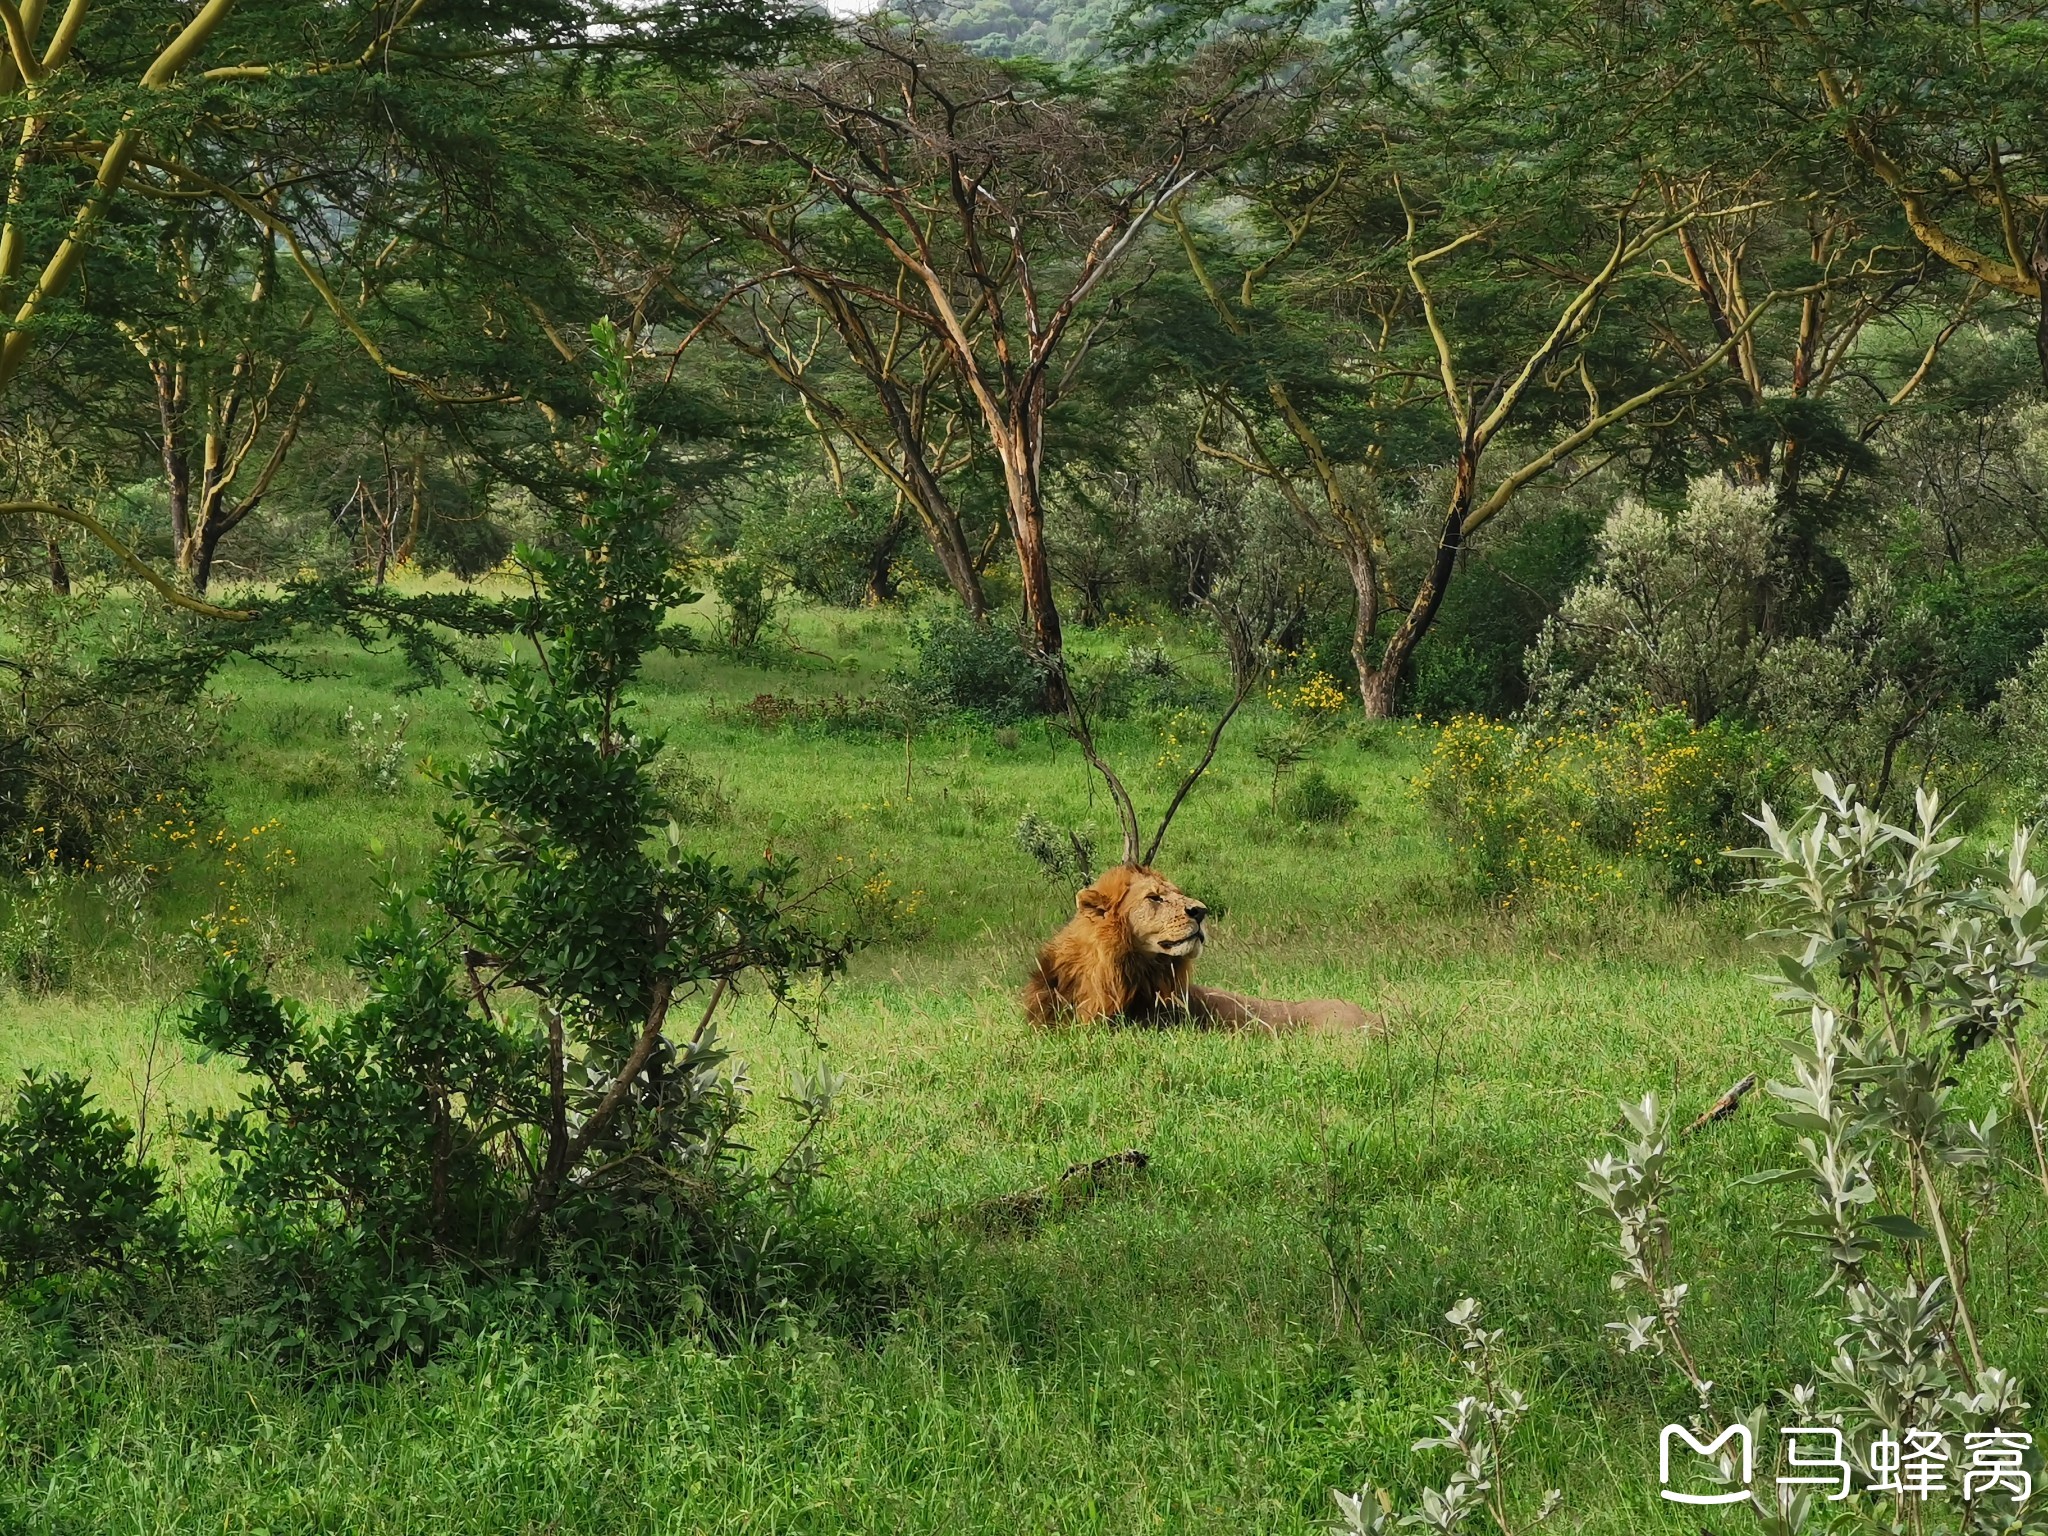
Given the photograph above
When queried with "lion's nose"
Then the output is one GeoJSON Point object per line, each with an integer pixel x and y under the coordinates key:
{"type": "Point", "coordinates": [1197, 913]}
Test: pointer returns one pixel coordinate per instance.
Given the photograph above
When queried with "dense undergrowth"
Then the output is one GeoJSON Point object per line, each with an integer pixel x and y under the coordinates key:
{"type": "Point", "coordinates": [1214, 1345]}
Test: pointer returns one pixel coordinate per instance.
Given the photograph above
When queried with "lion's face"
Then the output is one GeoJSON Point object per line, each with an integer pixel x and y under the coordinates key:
{"type": "Point", "coordinates": [1162, 918]}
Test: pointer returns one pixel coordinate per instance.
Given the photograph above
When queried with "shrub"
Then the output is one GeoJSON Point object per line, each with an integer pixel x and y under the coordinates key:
{"type": "Point", "coordinates": [751, 594]}
{"type": "Point", "coordinates": [1552, 811]}
{"type": "Point", "coordinates": [841, 546]}
{"type": "Point", "coordinates": [978, 669]}
{"type": "Point", "coordinates": [1881, 697]}
{"type": "Point", "coordinates": [1315, 799]}
{"type": "Point", "coordinates": [691, 796]}
{"type": "Point", "coordinates": [379, 750]}
{"type": "Point", "coordinates": [1673, 610]}
{"type": "Point", "coordinates": [1063, 854]}
{"type": "Point", "coordinates": [1904, 973]}
{"type": "Point", "coordinates": [35, 951]}
{"type": "Point", "coordinates": [513, 1092]}
{"type": "Point", "coordinates": [73, 1195]}
{"type": "Point", "coordinates": [90, 732]}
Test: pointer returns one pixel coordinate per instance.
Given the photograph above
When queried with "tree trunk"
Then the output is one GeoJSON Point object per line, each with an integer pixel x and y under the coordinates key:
{"type": "Point", "coordinates": [60, 574]}
{"type": "Point", "coordinates": [206, 541]}
{"type": "Point", "coordinates": [170, 406]}
{"type": "Point", "coordinates": [1041, 609]}
{"type": "Point", "coordinates": [1375, 695]}
{"type": "Point", "coordinates": [1376, 688]}
{"type": "Point", "coordinates": [2037, 264]}
{"type": "Point", "coordinates": [935, 508]}
{"type": "Point", "coordinates": [881, 576]}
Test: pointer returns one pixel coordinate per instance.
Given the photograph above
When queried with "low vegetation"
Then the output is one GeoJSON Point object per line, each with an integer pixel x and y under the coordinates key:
{"type": "Point", "coordinates": [584, 586]}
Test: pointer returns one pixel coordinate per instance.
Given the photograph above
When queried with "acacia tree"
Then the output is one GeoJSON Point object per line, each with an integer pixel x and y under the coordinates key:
{"type": "Point", "coordinates": [1944, 107]}
{"type": "Point", "coordinates": [1446, 358]}
{"type": "Point", "coordinates": [982, 210]}
{"type": "Point", "coordinates": [232, 369]}
{"type": "Point", "coordinates": [374, 150]}
{"type": "Point", "coordinates": [893, 399]}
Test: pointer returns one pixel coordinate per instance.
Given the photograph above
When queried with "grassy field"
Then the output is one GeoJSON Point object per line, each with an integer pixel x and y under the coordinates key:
{"type": "Point", "coordinates": [1168, 1357]}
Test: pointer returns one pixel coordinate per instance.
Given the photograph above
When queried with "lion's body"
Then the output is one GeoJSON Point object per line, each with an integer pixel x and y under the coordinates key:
{"type": "Point", "coordinates": [1129, 953]}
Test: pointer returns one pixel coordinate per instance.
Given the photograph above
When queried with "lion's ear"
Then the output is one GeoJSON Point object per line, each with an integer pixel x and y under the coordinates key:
{"type": "Point", "coordinates": [1092, 903]}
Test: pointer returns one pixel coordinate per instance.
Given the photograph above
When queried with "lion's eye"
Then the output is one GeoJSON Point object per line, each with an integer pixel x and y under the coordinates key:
{"type": "Point", "coordinates": [1155, 896]}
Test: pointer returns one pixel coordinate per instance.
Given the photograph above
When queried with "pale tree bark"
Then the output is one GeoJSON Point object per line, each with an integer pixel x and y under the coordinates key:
{"type": "Point", "coordinates": [1480, 418]}
{"type": "Point", "coordinates": [2018, 266]}
{"type": "Point", "coordinates": [985, 200]}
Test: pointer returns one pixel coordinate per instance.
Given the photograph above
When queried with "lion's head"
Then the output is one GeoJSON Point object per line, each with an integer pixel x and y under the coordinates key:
{"type": "Point", "coordinates": [1162, 918]}
{"type": "Point", "coordinates": [1128, 951]}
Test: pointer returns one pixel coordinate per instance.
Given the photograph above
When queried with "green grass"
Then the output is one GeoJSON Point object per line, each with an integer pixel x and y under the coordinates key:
{"type": "Point", "coordinates": [1165, 1358]}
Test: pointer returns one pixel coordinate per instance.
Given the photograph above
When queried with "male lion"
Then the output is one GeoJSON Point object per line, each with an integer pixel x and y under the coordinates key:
{"type": "Point", "coordinates": [1129, 953]}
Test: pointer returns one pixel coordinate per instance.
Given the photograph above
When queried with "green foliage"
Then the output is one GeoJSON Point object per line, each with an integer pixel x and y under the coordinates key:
{"type": "Point", "coordinates": [750, 594]}
{"type": "Point", "coordinates": [842, 549]}
{"type": "Point", "coordinates": [379, 750]}
{"type": "Point", "coordinates": [1905, 973]}
{"type": "Point", "coordinates": [1896, 692]}
{"type": "Point", "coordinates": [74, 1194]}
{"type": "Point", "coordinates": [1672, 611]}
{"type": "Point", "coordinates": [974, 668]}
{"type": "Point", "coordinates": [1313, 799]}
{"type": "Point", "coordinates": [1063, 855]}
{"type": "Point", "coordinates": [1064, 31]}
{"type": "Point", "coordinates": [1554, 811]}
{"type": "Point", "coordinates": [35, 949]}
{"type": "Point", "coordinates": [512, 1088]}
{"type": "Point", "coordinates": [87, 738]}
{"type": "Point", "coordinates": [1475, 657]}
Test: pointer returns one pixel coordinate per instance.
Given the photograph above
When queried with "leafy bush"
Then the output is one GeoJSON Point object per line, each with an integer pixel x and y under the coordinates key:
{"type": "Point", "coordinates": [379, 751]}
{"type": "Point", "coordinates": [1552, 811]}
{"type": "Point", "coordinates": [1313, 798]}
{"type": "Point", "coordinates": [839, 547]}
{"type": "Point", "coordinates": [1907, 685]}
{"type": "Point", "coordinates": [978, 669]}
{"type": "Point", "coordinates": [73, 1194]}
{"type": "Point", "coordinates": [90, 734]}
{"type": "Point", "coordinates": [1063, 854]}
{"type": "Point", "coordinates": [1673, 610]}
{"type": "Point", "coordinates": [35, 950]}
{"type": "Point", "coordinates": [751, 594]}
{"type": "Point", "coordinates": [513, 1092]}
{"type": "Point", "coordinates": [1904, 973]}
{"type": "Point", "coordinates": [690, 796]}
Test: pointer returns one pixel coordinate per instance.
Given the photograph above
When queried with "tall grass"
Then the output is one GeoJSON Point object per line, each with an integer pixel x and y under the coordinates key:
{"type": "Point", "coordinates": [1172, 1356]}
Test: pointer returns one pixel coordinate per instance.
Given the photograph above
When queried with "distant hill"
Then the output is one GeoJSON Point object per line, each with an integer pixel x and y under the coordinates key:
{"type": "Point", "coordinates": [1061, 30]}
